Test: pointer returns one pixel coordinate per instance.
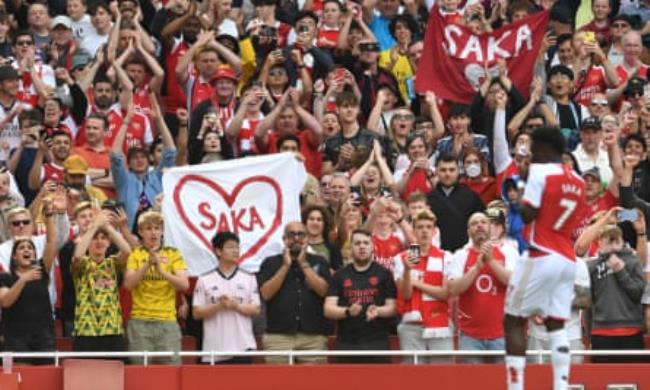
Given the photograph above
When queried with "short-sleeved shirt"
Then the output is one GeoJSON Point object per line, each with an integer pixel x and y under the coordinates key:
{"type": "Point", "coordinates": [363, 138]}
{"type": "Point", "coordinates": [295, 308]}
{"type": "Point", "coordinates": [370, 287]}
{"type": "Point", "coordinates": [32, 311]}
{"type": "Point", "coordinates": [154, 298]}
{"type": "Point", "coordinates": [559, 195]}
{"type": "Point", "coordinates": [227, 330]}
{"type": "Point", "coordinates": [97, 311]}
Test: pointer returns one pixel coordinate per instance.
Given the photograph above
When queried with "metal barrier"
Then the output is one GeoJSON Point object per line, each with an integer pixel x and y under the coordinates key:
{"type": "Point", "coordinates": [292, 355]}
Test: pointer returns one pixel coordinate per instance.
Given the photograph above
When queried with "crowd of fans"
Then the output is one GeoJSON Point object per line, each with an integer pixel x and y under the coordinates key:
{"type": "Point", "coordinates": [410, 211]}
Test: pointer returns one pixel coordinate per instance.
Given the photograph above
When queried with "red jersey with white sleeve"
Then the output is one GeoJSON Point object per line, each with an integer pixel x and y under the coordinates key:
{"type": "Point", "coordinates": [592, 83]}
{"type": "Point", "coordinates": [431, 312]}
{"type": "Point", "coordinates": [385, 249]}
{"type": "Point", "coordinates": [138, 134]}
{"type": "Point", "coordinates": [26, 90]}
{"type": "Point", "coordinates": [197, 89]}
{"type": "Point", "coordinates": [603, 202]}
{"type": "Point", "coordinates": [558, 193]}
{"type": "Point", "coordinates": [480, 307]}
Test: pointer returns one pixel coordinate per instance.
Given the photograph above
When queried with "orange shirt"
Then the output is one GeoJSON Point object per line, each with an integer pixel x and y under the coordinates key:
{"type": "Point", "coordinates": [96, 159]}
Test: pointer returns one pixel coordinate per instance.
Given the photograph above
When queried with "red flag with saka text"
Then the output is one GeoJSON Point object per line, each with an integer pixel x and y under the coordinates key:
{"type": "Point", "coordinates": [452, 64]}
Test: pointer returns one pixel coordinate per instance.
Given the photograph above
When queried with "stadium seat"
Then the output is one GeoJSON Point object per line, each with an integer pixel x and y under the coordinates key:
{"type": "Point", "coordinates": [103, 374]}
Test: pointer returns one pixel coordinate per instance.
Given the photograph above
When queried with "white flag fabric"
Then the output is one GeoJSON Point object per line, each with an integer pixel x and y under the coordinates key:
{"type": "Point", "coordinates": [253, 197]}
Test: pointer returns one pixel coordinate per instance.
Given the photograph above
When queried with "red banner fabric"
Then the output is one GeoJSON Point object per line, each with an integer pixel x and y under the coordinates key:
{"type": "Point", "coordinates": [453, 61]}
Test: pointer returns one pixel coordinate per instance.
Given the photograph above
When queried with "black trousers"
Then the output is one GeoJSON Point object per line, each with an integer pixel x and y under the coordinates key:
{"type": "Point", "coordinates": [617, 342]}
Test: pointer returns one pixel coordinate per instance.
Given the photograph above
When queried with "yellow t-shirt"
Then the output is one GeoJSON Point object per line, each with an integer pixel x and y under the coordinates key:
{"type": "Point", "coordinates": [402, 71]}
{"type": "Point", "coordinates": [154, 298]}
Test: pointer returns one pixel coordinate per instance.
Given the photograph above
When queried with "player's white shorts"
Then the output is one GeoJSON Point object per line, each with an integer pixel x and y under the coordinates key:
{"type": "Point", "coordinates": [542, 286]}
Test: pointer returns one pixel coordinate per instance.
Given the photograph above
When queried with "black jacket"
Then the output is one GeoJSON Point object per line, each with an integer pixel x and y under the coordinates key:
{"type": "Point", "coordinates": [453, 212]}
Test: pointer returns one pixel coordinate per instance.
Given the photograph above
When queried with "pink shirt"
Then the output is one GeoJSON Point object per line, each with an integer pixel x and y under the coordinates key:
{"type": "Point", "coordinates": [227, 330]}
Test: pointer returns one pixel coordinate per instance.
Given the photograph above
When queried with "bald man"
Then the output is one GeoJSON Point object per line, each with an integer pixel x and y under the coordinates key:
{"type": "Point", "coordinates": [293, 284]}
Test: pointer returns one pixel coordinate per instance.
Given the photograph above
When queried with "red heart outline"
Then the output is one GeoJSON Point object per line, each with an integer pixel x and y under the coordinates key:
{"type": "Point", "coordinates": [230, 199]}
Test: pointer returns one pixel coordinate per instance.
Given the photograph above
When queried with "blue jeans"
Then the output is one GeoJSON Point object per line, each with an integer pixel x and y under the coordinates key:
{"type": "Point", "coordinates": [468, 343]}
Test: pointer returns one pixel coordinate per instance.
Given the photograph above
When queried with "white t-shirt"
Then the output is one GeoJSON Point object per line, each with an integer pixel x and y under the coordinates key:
{"type": "Point", "coordinates": [574, 330]}
{"type": "Point", "coordinates": [82, 28]}
{"type": "Point", "coordinates": [227, 330]}
{"type": "Point", "coordinates": [93, 41]}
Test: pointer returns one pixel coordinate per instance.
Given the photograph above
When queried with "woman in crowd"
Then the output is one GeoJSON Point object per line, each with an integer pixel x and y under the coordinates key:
{"type": "Point", "coordinates": [27, 313]}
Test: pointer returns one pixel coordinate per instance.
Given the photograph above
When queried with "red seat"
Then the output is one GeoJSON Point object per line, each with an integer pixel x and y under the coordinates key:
{"type": "Point", "coordinates": [188, 343]}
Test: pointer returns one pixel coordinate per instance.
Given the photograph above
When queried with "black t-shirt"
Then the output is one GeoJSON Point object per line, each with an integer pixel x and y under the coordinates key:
{"type": "Point", "coordinates": [32, 311]}
{"type": "Point", "coordinates": [295, 307]}
{"type": "Point", "coordinates": [370, 287]}
{"type": "Point", "coordinates": [364, 138]}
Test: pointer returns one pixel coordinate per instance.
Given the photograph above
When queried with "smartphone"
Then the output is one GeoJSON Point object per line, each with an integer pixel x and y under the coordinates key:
{"type": "Point", "coordinates": [590, 37]}
{"type": "Point", "coordinates": [386, 192]}
{"type": "Point", "coordinates": [355, 193]}
{"type": "Point", "coordinates": [627, 215]}
{"type": "Point", "coordinates": [35, 264]}
{"type": "Point", "coordinates": [414, 253]}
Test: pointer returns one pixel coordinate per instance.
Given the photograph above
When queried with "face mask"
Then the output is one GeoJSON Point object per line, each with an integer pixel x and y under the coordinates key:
{"type": "Point", "coordinates": [473, 170]}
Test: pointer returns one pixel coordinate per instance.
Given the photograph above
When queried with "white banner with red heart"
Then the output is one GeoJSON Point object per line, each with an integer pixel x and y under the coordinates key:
{"type": "Point", "coordinates": [253, 197]}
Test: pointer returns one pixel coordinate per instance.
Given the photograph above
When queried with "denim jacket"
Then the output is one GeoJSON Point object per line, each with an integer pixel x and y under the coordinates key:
{"type": "Point", "coordinates": [129, 186]}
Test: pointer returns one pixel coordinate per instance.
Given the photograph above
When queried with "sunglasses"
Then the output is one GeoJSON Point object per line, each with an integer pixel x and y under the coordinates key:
{"type": "Point", "coordinates": [404, 117]}
{"type": "Point", "coordinates": [277, 72]}
{"type": "Point", "coordinates": [296, 234]}
{"type": "Point", "coordinates": [24, 222]}
{"type": "Point", "coordinates": [602, 103]}
{"type": "Point", "coordinates": [24, 43]}
{"type": "Point", "coordinates": [620, 25]}
{"type": "Point", "coordinates": [369, 46]}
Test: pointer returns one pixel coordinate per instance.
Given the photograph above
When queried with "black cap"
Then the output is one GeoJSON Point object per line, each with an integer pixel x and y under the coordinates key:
{"type": "Point", "coordinates": [560, 69]}
{"type": "Point", "coordinates": [591, 123]}
{"type": "Point", "coordinates": [635, 84]}
{"type": "Point", "coordinates": [8, 72]}
{"type": "Point", "coordinates": [624, 17]}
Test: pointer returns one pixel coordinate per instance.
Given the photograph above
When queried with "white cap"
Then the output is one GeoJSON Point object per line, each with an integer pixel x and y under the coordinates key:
{"type": "Point", "coordinates": [62, 20]}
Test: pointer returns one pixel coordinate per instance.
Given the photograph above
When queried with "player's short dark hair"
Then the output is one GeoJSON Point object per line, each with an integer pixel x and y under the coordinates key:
{"type": "Point", "coordinates": [220, 239]}
{"type": "Point", "coordinates": [550, 137]}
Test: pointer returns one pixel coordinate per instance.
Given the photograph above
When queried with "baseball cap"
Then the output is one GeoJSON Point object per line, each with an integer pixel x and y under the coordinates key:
{"type": "Point", "coordinates": [61, 20]}
{"type": "Point", "coordinates": [560, 69]}
{"type": "Point", "coordinates": [81, 58]}
{"type": "Point", "coordinates": [234, 42]}
{"type": "Point", "coordinates": [594, 172]}
{"type": "Point", "coordinates": [75, 165]}
{"type": "Point", "coordinates": [225, 72]}
{"type": "Point", "coordinates": [8, 72]}
{"type": "Point", "coordinates": [591, 123]}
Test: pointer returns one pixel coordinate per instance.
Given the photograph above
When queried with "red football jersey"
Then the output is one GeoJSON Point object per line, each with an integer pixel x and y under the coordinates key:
{"type": "Point", "coordinates": [480, 307]}
{"type": "Point", "coordinates": [558, 193]}
{"type": "Point", "coordinates": [386, 249]}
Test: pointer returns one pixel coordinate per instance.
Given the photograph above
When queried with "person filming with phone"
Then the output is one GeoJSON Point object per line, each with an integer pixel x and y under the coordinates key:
{"type": "Point", "coordinates": [421, 278]}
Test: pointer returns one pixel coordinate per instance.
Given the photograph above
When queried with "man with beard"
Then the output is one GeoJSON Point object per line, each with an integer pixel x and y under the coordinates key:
{"type": "Point", "coordinates": [479, 275]}
{"type": "Point", "coordinates": [361, 298]}
{"type": "Point", "coordinates": [95, 151]}
{"type": "Point", "coordinates": [57, 148]}
{"type": "Point", "coordinates": [75, 170]}
{"type": "Point", "coordinates": [293, 285]}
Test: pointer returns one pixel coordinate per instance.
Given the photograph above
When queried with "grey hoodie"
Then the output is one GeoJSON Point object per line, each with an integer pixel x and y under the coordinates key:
{"type": "Point", "coordinates": [616, 297]}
